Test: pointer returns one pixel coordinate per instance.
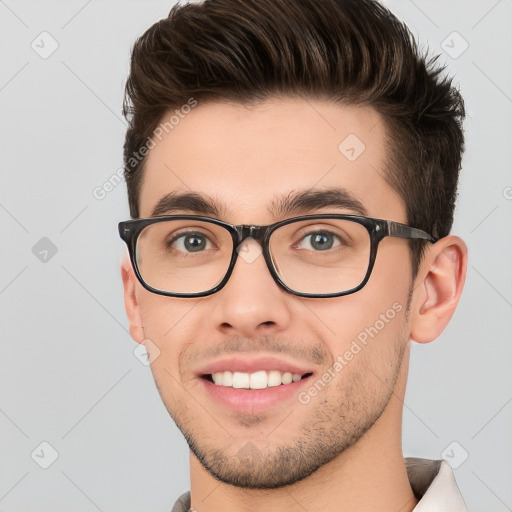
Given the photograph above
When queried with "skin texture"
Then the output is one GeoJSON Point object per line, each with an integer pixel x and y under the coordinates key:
{"type": "Point", "coordinates": [341, 450]}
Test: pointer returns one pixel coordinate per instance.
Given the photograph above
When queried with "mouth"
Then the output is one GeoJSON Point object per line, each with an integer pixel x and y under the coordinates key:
{"type": "Point", "coordinates": [253, 385]}
{"type": "Point", "coordinates": [261, 379]}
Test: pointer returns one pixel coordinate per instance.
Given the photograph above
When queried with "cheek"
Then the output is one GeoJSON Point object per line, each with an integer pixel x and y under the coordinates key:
{"type": "Point", "coordinates": [392, 271]}
{"type": "Point", "coordinates": [368, 351]}
{"type": "Point", "coordinates": [361, 319]}
{"type": "Point", "coordinates": [377, 312]}
{"type": "Point", "coordinates": [169, 325]}
{"type": "Point", "coordinates": [163, 317]}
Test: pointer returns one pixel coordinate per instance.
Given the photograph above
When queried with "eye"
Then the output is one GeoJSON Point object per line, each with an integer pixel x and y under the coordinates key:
{"type": "Point", "coordinates": [190, 242]}
{"type": "Point", "coordinates": [319, 241]}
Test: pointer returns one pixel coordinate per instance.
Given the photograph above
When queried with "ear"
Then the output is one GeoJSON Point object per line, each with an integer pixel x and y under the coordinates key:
{"type": "Point", "coordinates": [438, 288]}
{"type": "Point", "coordinates": [130, 300]}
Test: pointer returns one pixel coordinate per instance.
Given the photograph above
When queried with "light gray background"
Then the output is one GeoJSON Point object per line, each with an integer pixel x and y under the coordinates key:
{"type": "Point", "coordinates": [68, 373]}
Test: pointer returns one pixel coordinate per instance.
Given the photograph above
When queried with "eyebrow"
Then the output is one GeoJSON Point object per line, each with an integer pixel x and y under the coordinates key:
{"type": "Point", "coordinates": [302, 202]}
{"type": "Point", "coordinates": [188, 202]}
{"type": "Point", "coordinates": [295, 203]}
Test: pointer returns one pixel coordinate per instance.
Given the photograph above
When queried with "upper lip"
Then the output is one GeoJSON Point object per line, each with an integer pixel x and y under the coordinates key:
{"type": "Point", "coordinates": [251, 365]}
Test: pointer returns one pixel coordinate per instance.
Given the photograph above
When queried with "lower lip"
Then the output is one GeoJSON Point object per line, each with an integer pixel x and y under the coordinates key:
{"type": "Point", "coordinates": [251, 401]}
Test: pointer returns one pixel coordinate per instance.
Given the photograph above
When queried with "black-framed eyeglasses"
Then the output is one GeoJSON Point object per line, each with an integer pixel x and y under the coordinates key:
{"type": "Point", "coordinates": [315, 256]}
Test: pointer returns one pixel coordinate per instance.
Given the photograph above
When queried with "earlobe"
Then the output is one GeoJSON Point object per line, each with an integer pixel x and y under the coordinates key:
{"type": "Point", "coordinates": [439, 288]}
{"type": "Point", "coordinates": [130, 301]}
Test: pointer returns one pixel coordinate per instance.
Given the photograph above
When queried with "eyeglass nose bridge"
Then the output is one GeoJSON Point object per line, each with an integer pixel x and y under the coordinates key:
{"type": "Point", "coordinates": [260, 234]}
{"type": "Point", "coordinates": [244, 232]}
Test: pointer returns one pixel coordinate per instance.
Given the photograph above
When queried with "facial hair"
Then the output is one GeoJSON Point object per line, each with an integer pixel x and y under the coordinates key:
{"type": "Point", "coordinates": [340, 415]}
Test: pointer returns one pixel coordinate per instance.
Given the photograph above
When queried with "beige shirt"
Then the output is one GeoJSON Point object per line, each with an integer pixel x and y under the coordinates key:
{"type": "Point", "coordinates": [432, 482]}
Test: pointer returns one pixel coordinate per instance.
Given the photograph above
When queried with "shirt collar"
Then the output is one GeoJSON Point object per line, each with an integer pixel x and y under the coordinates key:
{"type": "Point", "coordinates": [433, 483]}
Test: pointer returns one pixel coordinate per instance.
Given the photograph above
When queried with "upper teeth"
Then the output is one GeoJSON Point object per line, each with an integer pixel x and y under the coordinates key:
{"type": "Point", "coordinates": [256, 380]}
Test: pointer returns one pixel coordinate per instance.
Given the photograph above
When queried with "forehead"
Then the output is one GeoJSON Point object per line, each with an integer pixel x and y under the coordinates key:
{"type": "Point", "coordinates": [247, 159]}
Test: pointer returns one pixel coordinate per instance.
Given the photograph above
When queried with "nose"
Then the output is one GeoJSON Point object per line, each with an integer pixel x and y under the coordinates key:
{"type": "Point", "coordinates": [252, 303]}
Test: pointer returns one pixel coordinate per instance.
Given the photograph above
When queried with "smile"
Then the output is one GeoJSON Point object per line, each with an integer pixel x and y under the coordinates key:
{"type": "Point", "coordinates": [257, 380]}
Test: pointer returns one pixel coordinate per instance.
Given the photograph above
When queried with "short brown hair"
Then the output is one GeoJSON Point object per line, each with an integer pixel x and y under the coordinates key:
{"type": "Point", "coordinates": [345, 51]}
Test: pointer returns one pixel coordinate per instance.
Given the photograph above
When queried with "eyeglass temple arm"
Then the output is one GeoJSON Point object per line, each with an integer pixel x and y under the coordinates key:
{"type": "Point", "coordinates": [403, 231]}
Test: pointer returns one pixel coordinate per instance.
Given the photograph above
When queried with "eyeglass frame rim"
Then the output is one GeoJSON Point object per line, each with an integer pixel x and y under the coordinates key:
{"type": "Point", "coordinates": [378, 229]}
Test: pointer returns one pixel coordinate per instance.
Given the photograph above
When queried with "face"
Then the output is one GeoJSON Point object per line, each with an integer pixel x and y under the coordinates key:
{"type": "Point", "coordinates": [344, 354]}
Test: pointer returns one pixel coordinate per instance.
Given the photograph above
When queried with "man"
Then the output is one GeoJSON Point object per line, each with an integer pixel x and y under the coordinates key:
{"type": "Point", "coordinates": [292, 169]}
